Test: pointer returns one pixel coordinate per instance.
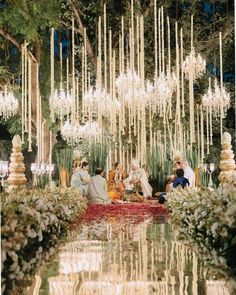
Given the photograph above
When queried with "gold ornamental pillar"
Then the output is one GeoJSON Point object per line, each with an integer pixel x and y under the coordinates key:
{"type": "Point", "coordinates": [227, 163]}
{"type": "Point", "coordinates": [16, 177]}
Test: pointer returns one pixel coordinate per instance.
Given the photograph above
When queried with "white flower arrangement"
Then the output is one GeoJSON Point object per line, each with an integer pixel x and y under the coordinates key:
{"type": "Point", "coordinates": [207, 219]}
{"type": "Point", "coordinates": [32, 224]}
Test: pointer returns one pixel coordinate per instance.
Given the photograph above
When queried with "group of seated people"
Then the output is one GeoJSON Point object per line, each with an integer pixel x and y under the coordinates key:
{"type": "Point", "coordinates": [93, 188]}
{"type": "Point", "coordinates": [120, 186]}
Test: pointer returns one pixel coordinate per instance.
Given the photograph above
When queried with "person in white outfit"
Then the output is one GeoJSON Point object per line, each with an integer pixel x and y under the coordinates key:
{"type": "Point", "coordinates": [138, 178]}
{"type": "Point", "coordinates": [188, 173]}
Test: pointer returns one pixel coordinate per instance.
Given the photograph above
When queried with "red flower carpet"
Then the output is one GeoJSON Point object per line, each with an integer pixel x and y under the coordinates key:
{"type": "Point", "coordinates": [134, 212]}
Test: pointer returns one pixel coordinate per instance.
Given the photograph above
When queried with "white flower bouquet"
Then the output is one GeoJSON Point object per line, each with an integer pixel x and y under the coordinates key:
{"type": "Point", "coordinates": [32, 224]}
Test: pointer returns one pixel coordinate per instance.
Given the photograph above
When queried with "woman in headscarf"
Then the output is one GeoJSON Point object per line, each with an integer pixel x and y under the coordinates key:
{"type": "Point", "coordinates": [80, 177]}
{"type": "Point", "coordinates": [138, 181]}
{"type": "Point", "coordinates": [115, 183]}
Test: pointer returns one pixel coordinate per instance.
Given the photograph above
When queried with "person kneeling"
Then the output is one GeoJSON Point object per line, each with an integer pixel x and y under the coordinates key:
{"type": "Point", "coordinates": [98, 189]}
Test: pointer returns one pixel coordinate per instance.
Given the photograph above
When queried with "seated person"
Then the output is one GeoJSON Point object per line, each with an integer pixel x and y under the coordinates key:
{"type": "Point", "coordinates": [180, 179]}
{"type": "Point", "coordinates": [98, 188]}
{"type": "Point", "coordinates": [115, 183]}
{"type": "Point", "coordinates": [80, 177]}
{"type": "Point", "coordinates": [137, 181]}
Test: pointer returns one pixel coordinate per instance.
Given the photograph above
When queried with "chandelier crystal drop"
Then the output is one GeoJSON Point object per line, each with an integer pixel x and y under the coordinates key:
{"type": "Point", "coordinates": [8, 104]}
{"type": "Point", "coordinates": [75, 133]}
{"type": "Point", "coordinates": [194, 64]}
{"type": "Point", "coordinates": [63, 102]}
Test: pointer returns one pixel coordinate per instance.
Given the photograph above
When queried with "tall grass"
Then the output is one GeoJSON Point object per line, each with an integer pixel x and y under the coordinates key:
{"type": "Point", "coordinates": [158, 170]}
{"type": "Point", "coordinates": [192, 158]}
{"type": "Point", "coordinates": [64, 159]}
{"type": "Point", "coordinates": [97, 156]}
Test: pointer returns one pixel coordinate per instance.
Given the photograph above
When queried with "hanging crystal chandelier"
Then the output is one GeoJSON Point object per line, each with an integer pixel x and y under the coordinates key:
{"type": "Point", "coordinates": [63, 102]}
{"type": "Point", "coordinates": [165, 86]}
{"type": "Point", "coordinates": [99, 100]}
{"type": "Point", "coordinates": [194, 64]}
{"type": "Point", "coordinates": [216, 98]}
{"type": "Point", "coordinates": [75, 133]}
{"type": "Point", "coordinates": [128, 80]}
{"type": "Point", "coordinates": [149, 92]}
{"type": "Point", "coordinates": [8, 104]}
{"type": "Point", "coordinates": [129, 85]}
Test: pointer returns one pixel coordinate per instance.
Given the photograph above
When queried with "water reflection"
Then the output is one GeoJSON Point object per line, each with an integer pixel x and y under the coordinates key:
{"type": "Point", "coordinates": [123, 258]}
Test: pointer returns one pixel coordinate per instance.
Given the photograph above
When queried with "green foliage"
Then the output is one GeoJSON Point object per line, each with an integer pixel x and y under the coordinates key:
{"type": "Point", "coordinates": [5, 150]}
{"type": "Point", "coordinates": [158, 169]}
{"type": "Point", "coordinates": [29, 18]}
{"type": "Point", "coordinates": [192, 158]}
{"type": "Point", "coordinates": [97, 156]}
{"type": "Point", "coordinates": [64, 159]}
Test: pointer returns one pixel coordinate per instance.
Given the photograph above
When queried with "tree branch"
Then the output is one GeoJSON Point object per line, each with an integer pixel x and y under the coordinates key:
{"type": "Point", "coordinates": [8, 37]}
{"type": "Point", "coordinates": [81, 31]}
{"type": "Point", "coordinates": [146, 11]}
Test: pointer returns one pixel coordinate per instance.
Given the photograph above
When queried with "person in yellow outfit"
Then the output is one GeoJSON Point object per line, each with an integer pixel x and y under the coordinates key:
{"type": "Point", "coordinates": [115, 183]}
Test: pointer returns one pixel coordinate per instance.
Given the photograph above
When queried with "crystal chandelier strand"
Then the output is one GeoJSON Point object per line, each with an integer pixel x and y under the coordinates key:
{"type": "Point", "coordinates": [73, 110]}
{"type": "Point", "coordinates": [105, 47]}
{"type": "Point", "coordinates": [52, 75]}
{"type": "Point", "coordinates": [182, 72]}
{"type": "Point", "coordinates": [22, 92]}
{"type": "Point", "coordinates": [155, 37]}
{"type": "Point", "coordinates": [30, 106]}
{"type": "Point", "coordinates": [159, 39]}
{"type": "Point", "coordinates": [207, 127]}
{"type": "Point", "coordinates": [26, 91]}
{"type": "Point", "coordinates": [221, 87]}
{"type": "Point", "coordinates": [162, 40]}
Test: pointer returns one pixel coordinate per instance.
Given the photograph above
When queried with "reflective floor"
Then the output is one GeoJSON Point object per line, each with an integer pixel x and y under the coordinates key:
{"type": "Point", "coordinates": [125, 257]}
